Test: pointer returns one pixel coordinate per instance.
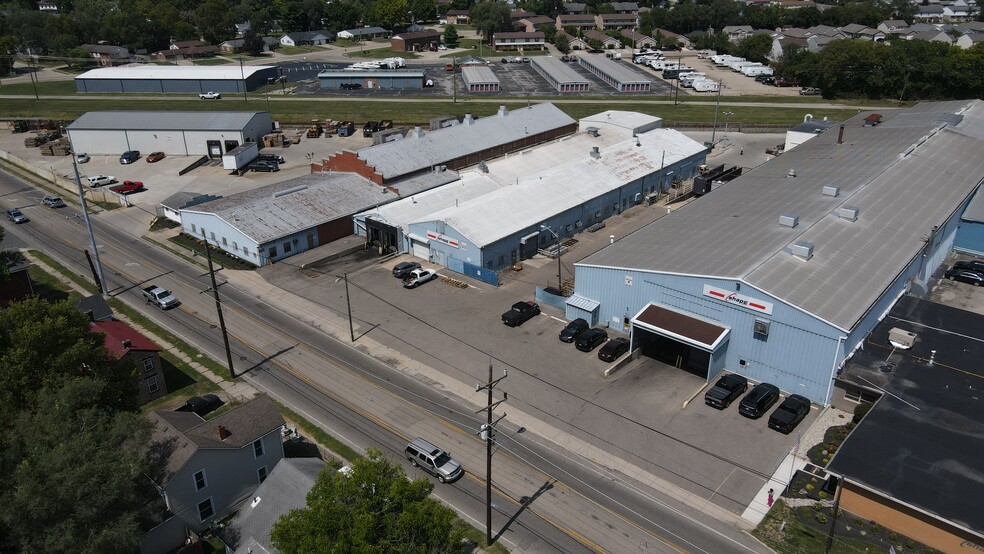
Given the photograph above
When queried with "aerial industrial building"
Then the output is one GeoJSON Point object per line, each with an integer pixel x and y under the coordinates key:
{"type": "Point", "coordinates": [166, 79]}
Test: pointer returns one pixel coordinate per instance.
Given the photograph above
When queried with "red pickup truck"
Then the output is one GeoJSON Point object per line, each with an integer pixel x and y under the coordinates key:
{"type": "Point", "coordinates": [128, 187]}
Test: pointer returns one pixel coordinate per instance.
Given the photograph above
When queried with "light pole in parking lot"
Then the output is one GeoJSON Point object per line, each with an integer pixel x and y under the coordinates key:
{"type": "Point", "coordinates": [560, 284]}
{"type": "Point", "coordinates": [97, 265]}
{"type": "Point", "coordinates": [727, 120]}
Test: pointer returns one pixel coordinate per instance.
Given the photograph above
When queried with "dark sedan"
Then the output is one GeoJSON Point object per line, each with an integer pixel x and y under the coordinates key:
{"type": "Point", "coordinates": [588, 340]}
{"type": "Point", "coordinates": [613, 349]}
{"type": "Point", "coordinates": [573, 329]}
{"type": "Point", "coordinates": [965, 276]}
{"type": "Point", "coordinates": [972, 265]}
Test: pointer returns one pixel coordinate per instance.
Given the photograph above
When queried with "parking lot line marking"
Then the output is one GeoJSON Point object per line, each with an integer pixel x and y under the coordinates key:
{"type": "Point", "coordinates": [558, 319]}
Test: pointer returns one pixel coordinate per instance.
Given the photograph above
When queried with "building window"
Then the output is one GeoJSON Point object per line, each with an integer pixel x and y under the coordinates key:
{"type": "Point", "coordinates": [273, 252]}
{"type": "Point", "coordinates": [258, 448]}
{"type": "Point", "coordinates": [262, 473]}
{"type": "Point", "coordinates": [200, 482]}
{"type": "Point", "coordinates": [152, 385]}
{"type": "Point", "coordinates": [235, 247]}
{"type": "Point", "coordinates": [205, 509]}
{"type": "Point", "coordinates": [245, 251]}
{"type": "Point", "coordinates": [193, 230]}
{"type": "Point", "coordinates": [286, 247]}
{"type": "Point", "coordinates": [224, 243]}
{"type": "Point", "coordinates": [148, 363]}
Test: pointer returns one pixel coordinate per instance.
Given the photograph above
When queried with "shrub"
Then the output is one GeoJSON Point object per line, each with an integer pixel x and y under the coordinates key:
{"type": "Point", "coordinates": [910, 544]}
{"type": "Point", "coordinates": [813, 479]}
{"type": "Point", "coordinates": [861, 410]}
{"type": "Point", "coordinates": [875, 528]}
{"type": "Point", "coordinates": [822, 494]}
{"type": "Point", "coordinates": [858, 521]}
{"type": "Point", "coordinates": [817, 506]}
{"type": "Point", "coordinates": [893, 536]}
{"type": "Point", "coordinates": [821, 518]}
{"type": "Point", "coordinates": [809, 487]}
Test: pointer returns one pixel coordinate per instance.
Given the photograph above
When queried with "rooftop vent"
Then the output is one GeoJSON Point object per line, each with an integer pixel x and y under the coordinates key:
{"type": "Point", "coordinates": [126, 343]}
{"type": "Point", "coordinates": [789, 220]}
{"type": "Point", "coordinates": [289, 191]}
{"type": "Point", "coordinates": [502, 111]}
{"type": "Point", "coordinates": [222, 432]}
{"type": "Point", "coordinates": [417, 132]}
{"type": "Point", "coordinates": [593, 131]}
{"type": "Point", "coordinates": [595, 153]}
{"type": "Point", "coordinates": [831, 190]}
{"type": "Point", "coordinates": [802, 249]}
{"type": "Point", "coordinates": [901, 339]}
{"type": "Point", "coordinates": [791, 174]}
{"type": "Point", "coordinates": [482, 167]}
{"type": "Point", "coordinates": [849, 213]}
{"type": "Point", "coordinates": [468, 119]}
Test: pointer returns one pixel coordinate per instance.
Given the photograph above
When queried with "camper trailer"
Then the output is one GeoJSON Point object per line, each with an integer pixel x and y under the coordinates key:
{"type": "Point", "coordinates": [706, 85]}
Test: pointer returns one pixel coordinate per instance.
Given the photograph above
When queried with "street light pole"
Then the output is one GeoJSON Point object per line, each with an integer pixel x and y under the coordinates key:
{"type": "Point", "coordinates": [560, 283]}
{"type": "Point", "coordinates": [88, 226]}
{"type": "Point", "coordinates": [717, 107]}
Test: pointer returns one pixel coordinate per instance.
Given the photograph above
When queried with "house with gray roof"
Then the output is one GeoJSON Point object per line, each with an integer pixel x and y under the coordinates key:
{"type": "Point", "coordinates": [893, 26]}
{"type": "Point", "coordinates": [575, 7]}
{"type": "Point", "coordinates": [625, 7]}
{"type": "Point", "coordinates": [736, 33]}
{"type": "Point", "coordinates": [212, 467]}
{"type": "Point", "coordinates": [970, 39]}
{"type": "Point", "coordinates": [929, 14]}
{"type": "Point", "coordinates": [107, 54]}
{"type": "Point", "coordinates": [308, 38]}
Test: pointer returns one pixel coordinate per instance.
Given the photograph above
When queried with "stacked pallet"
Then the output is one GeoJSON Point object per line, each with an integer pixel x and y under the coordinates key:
{"type": "Point", "coordinates": [274, 139]}
{"type": "Point", "coordinates": [59, 147]}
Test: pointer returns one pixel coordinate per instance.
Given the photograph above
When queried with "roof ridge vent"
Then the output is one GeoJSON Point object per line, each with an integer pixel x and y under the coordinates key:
{"type": "Point", "coordinates": [802, 249]}
{"type": "Point", "coordinates": [503, 112]}
{"type": "Point", "coordinates": [849, 213]}
{"type": "Point", "coordinates": [831, 190]}
{"type": "Point", "coordinates": [593, 131]}
{"type": "Point", "coordinates": [791, 174]}
{"type": "Point", "coordinates": [289, 191]}
{"type": "Point", "coordinates": [789, 219]}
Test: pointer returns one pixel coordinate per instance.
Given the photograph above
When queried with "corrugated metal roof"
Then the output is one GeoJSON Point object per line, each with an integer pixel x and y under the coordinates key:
{"type": "Point", "coordinates": [734, 232]}
{"type": "Point", "coordinates": [508, 210]}
{"type": "Point", "coordinates": [321, 197]}
{"type": "Point", "coordinates": [162, 121]}
{"type": "Point", "coordinates": [397, 158]}
{"type": "Point", "coordinates": [376, 73]}
{"type": "Point", "coordinates": [618, 71]}
{"type": "Point", "coordinates": [478, 74]}
{"type": "Point", "coordinates": [583, 303]}
{"type": "Point", "coordinates": [558, 71]}
{"type": "Point", "coordinates": [171, 72]}
{"type": "Point", "coordinates": [975, 209]}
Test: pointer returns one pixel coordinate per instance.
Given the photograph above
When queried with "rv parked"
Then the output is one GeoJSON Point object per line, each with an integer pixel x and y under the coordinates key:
{"type": "Point", "coordinates": [756, 71]}
{"type": "Point", "coordinates": [706, 85]}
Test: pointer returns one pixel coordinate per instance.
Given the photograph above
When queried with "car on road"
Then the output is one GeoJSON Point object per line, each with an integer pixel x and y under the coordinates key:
{"type": "Point", "coordinates": [155, 157]}
{"type": "Point", "coordinates": [53, 201]}
{"type": "Point", "coordinates": [788, 415]}
{"type": "Point", "coordinates": [262, 165]}
{"type": "Point", "coordinates": [418, 277]}
{"type": "Point", "coordinates": [588, 340]}
{"type": "Point", "coordinates": [82, 158]}
{"type": "Point", "coordinates": [403, 269]}
{"type": "Point", "coordinates": [520, 313]}
{"type": "Point", "coordinates": [973, 265]}
{"type": "Point", "coordinates": [128, 187]}
{"type": "Point", "coordinates": [573, 329]}
{"type": "Point", "coordinates": [759, 400]}
{"type": "Point", "coordinates": [433, 460]}
{"type": "Point", "coordinates": [725, 391]}
{"type": "Point", "coordinates": [16, 216]}
{"type": "Point", "coordinates": [210, 95]}
{"type": "Point", "coordinates": [965, 276]}
{"type": "Point", "coordinates": [613, 349]}
{"type": "Point", "coordinates": [129, 157]}
{"type": "Point", "coordinates": [100, 180]}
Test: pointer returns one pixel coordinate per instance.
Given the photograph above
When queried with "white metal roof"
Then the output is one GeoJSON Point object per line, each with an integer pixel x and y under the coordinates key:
{"type": "Point", "coordinates": [906, 175]}
{"type": "Point", "coordinates": [557, 70]}
{"type": "Point", "coordinates": [162, 121]}
{"type": "Point", "coordinates": [393, 159]}
{"type": "Point", "coordinates": [172, 72]}
{"type": "Point", "coordinates": [566, 186]}
{"type": "Point", "coordinates": [975, 209]}
{"type": "Point", "coordinates": [634, 122]}
{"type": "Point", "coordinates": [616, 70]}
{"type": "Point", "coordinates": [474, 74]}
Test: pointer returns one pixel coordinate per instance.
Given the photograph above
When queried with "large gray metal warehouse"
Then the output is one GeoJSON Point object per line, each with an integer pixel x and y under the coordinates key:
{"type": "Point", "coordinates": [174, 133]}
{"type": "Point", "coordinates": [175, 79]}
{"type": "Point", "coordinates": [379, 79]}
{"type": "Point", "coordinates": [781, 274]}
{"type": "Point", "coordinates": [560, 75]}
{"type": "Point", "coordinates": [616, 74]}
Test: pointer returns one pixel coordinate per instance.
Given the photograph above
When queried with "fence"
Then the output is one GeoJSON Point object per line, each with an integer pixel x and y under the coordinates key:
{"type": "Point", "coordinates": [66, 182]}
{"type": "Point", "coordinates": [474, 271]}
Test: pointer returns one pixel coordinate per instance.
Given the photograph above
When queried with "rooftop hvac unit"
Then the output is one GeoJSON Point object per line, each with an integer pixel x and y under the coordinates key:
{"type": "Point", "coordinates": [831, 190]}
{"type": "Point", "coordinates": [595, 153]}
{"type": "Point", "coordinates": [802, 249]}
{"type": "Point", "coordinates": [789, 220]}
{"type": "Point", "coordinates": [849, 213]}
{"type": "Point", "coordinates": [593, 131]}
{"type": "Point", "coordinates": [900, 338]}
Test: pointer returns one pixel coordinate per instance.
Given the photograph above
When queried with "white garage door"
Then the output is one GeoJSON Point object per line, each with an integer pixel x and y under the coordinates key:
{"type": "Point", "coordinates": [421, 250]}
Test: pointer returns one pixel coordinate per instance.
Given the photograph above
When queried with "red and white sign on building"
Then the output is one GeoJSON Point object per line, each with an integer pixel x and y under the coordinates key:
{"type": "Point", "coordinates": [738, 299]}
{"type": "Point", "coordinates": [441, 238]}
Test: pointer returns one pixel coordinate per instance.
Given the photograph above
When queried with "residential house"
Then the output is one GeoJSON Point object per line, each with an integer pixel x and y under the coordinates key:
{"type": "Point", "coordinates": [581, 22]}
{"type": "Point", "coordinates": [107, 54]}
{"type": "Point", "coordinates": [187, 50]}
{"type": "Point", "coordinates": [574, 43]}
{"type": "Point", "coordinates": [825, 31]}
{"type": "Point", "coordinates": [46, 6]}
{"type": "Point", "coordinates": [519, 41]}
{"type": "Point", "coordinates": [536, 23]}
{"type": "Point", "coordinates": [796, 4]}
{"type": "Point", "coordinates": [780, 42]}
{"type": "Point", "coordinates": [933, 36]}
{"type": "Point", "coordinates": [816, 43]}
{"type": "Point", "coordinates": [616, 21]}
{"type": "Point", "coordinates": [131, 348]}
{"type": "Point", "coordinates": [236, 45]}
{"type": "Point", "coordinates": [872, 34]}
{"type": "Point", "coordinates": [415, 42]}
{"type": "Point", "coordinates": [853, 30]}
{"type": "Point", "coordinates": [96, 307]}
{"type": "Point", "coordinates": [363, 33]}
{"type": "Point", "coordinates": [19, 286]}
{"type": "Point", "coordinates": [308, 38]}
{"type": "Point", "coordinates": [457, 17]}
{"type": "Point", "coordinates": [213, 466]}
{"type": "Point", "coordinates": [957, 11]}
{"type": "Point", "coordinates": [285, 489]}
{"type": "Point", "coordinates": [929, 14]}
{"type": "Point", "coordinates": [893, 26]}
{"type": "Point", "coordinates": [970, 39]}
{"type": "Point", "coordinates": [669, 38]}
{"type": "Point", "coordinates": [638, 40]}
{"type": "Point", "coordinates": [970, 27]}
{"type": "Point", "coordinates": [736, 33]}
{"type": "Point", "coordinates": [607, 42]}
{"type": "Point", "coordinates": [241, 28]}
{"type": "Point", "coordinates": [793, 32]}
{"type": "Point", "coordinates": [516, 15]}
{"type": "Point", "coordinates": [575, 8]}
{"type": "Point", "coordinates": [625, 7]}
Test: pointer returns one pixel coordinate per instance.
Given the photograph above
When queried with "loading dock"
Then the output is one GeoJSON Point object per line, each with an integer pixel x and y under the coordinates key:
{"type": "Point", "coordinates": [682, 340]}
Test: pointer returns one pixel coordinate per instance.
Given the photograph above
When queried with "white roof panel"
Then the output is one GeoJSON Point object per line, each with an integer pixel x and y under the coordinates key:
{"type": "Point", "coordinates": [162, 121]}
{"type": "Point", "coordinates": [558, 71]}
{"type": "Point", "coordinates": [616, 70]}
{"type": "Point", "coordinates": [172, 72]}
{"type": "Point", "coordinates": [474, 74]}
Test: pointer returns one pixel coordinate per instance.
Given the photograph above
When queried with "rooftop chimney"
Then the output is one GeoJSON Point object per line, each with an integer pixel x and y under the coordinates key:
{"type": "Point", "coordinates": [416, 133]}
{"type": "Point", "coordinates": [468, 119]}
{"type": "Point", "coordinates": [126, 343]}
{"type": "Point", "coordinates": [502, 111]}
{"type": "Point", "coordinates": [595, 153]}
{"type": "Point", "coordinates": [222, 432]}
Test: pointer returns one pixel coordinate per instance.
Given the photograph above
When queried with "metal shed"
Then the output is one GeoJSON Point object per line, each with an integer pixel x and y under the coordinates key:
{"type": "Point", "coordinates": [479, 78]}
{"type": "Point", "coordinates": [560, 75]}
{"type": "Point", "coordinates": [374, 79]}
{"type": "Point", "coordinates": [175, 79]}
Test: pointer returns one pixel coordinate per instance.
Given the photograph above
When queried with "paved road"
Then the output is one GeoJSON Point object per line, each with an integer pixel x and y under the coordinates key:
{"type": "Point", "coordinates": [365, 402]}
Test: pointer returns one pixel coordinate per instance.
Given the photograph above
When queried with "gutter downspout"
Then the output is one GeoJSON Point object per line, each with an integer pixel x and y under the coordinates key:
{"type": "Point", "coordinates": [833, 367]}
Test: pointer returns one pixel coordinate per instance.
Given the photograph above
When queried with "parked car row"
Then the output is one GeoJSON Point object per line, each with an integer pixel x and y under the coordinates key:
{"type": "Point", "coordinates": [755, 403]}
{"type": "Point", "coordinates": [586, 339]}
{"type": "Point", "coordinates": [16, 216]}
{"type": "Point", "coordinates": [968, 271]}
{"type": "Point", "coordinates": [413, 274]}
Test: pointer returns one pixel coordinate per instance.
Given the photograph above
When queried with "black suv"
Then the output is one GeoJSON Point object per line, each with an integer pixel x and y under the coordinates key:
{"type": "Point", "coordinates": [588, 340]}
{"type": "Point", "coordinates": [970, 265]}
{"type": "Point", "coordinates": [725, 391]}
{"type": "Point", "coordinates": [403, 269]}
{"type": "Point", "coordinates": [789, 414]}
{"type": "Point", "coordinates": [573, 329]}
{"type": "Point", "coordinates": [757, 402]}
{"type": "Point", "coordinates": [130, 156]}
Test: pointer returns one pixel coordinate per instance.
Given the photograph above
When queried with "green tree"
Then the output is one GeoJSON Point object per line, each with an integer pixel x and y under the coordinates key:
{"type": "Point", "coordinates": [214, 21]}
{"type": "Point", "coordinates": [489, 17]}
{"type": "Point", "coordinates": [423, 10]}
{"type": "Point", "coordinates": [563, 42]}
{"type": "Point", "coordinates": [374, 509]}
{"type": "Point", "coordinates": [8, 45]}
{"type": "Point", "coordinates": [252, 42]}
{"type": "Point", "coordinates": [343, 15]}
{"type": "Point", "coordinates": [755, 47]}
{"type": "Point", "coordinates": [451, 36]}
{"type": "Point", "coordinates": [43, 343]}
{"type": "Point", "coordinates": [387, 13]}
{"type": "Point", "coordinates": [73, 474]}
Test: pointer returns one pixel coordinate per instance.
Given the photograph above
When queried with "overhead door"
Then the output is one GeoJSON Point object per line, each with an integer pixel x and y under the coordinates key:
{"type": "Point", "coordinates": [682, 340]}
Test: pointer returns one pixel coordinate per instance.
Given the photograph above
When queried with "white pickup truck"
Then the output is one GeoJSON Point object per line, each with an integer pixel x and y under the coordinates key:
{"type": "Point", "coordinates": [210, 96]}
{"type": "Point", "coordinates": [160, 296]}
{"type": "Point", "coordinates": [100, 180]}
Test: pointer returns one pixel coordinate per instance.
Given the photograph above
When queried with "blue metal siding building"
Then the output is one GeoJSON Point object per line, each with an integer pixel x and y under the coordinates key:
{"type": "Point", "coordinates": [163, 79]}
{"type": "Point", "coordinates": [970, 235]}
{"type": "Point", "coordinates": [792, 265]}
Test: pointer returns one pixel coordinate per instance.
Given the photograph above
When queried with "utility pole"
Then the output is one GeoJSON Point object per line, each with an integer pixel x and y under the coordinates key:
{"type": "Point", "coordinates": [100, 277]}
{"type": "Point", "coordinates": [717, 107]}
{"type": "Point", "coordinates": [560, 282]}
{"type": "Point", "coordinates": [348, 304]}
{"type": "Point", "coordinates": [243, 75]}
{"type": "Point", "coordinates": [487, 433]}
{"type": "Point", "coordinates": [218, 307]}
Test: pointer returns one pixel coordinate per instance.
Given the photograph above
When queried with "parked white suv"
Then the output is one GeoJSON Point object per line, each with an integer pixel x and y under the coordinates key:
{"type": "Point", "coordinates": [100, 180]}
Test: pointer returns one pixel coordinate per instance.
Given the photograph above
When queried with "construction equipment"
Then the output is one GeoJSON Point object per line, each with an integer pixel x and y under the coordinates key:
{"type": "Point", "coordinates": [315, 130]}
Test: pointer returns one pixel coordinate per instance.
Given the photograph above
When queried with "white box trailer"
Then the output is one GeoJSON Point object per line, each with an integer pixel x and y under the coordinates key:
{"type": "Point", "coordinates": [706, 85]}
{"type": "Point", "coordinates": [755, 71]}
{"type": "Point", "coordinates": [736, 66]}
{"type": "Point", "coordinates": [687, 79]}
{"type": "Point", "coordinates": [239, 157]}
{"type": "Point", "coordinates": [725, 59]}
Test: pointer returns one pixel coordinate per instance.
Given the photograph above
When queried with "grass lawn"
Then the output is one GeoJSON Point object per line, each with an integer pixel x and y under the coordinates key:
{"type": "Point", "coordinates": [45, 88]}
{"type": "Point", "coordinates": [290, 50]}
